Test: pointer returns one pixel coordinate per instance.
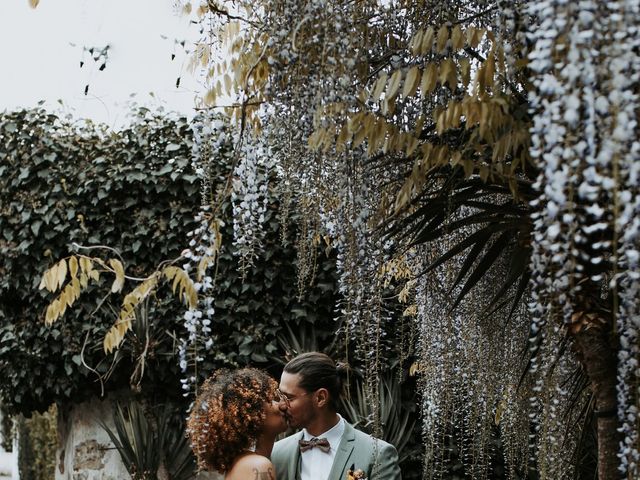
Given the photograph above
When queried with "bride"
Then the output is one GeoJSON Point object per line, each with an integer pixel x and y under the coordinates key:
{"type": "Point", "coordinates": [234, 423]}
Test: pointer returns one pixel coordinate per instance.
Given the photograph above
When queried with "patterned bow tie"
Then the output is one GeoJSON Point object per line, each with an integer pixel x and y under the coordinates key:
{"type": "Point", "coordinates": [322, 443]}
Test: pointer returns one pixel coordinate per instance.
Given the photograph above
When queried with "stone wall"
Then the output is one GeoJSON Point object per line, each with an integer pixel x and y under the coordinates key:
{"type": "Point", "coordinates": [85, 451]}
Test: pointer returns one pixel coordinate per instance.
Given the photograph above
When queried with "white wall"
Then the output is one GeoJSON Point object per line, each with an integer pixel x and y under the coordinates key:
{"type": "Point", "coordinates": [84, 448]}
{"type": "Point", "coordinates": [9, 461]}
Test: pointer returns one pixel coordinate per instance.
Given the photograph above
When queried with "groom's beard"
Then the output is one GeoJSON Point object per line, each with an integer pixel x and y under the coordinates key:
{"type": "Point", "coordinates": [289, 419]}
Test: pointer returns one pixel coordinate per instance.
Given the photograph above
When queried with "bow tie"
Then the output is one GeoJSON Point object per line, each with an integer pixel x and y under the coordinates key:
{"type": "Point", "coordinates": [322, 443]}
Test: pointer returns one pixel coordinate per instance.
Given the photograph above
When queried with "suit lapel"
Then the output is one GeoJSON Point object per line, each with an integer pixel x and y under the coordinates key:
{"type": "Point", "coordinates": [294, 464]}
{"type": "Point", "coordinates": [343, 454]}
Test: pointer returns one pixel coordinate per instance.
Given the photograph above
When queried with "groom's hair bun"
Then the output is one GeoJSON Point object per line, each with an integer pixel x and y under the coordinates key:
{"type": "Point", "coordinates": [317, 370]}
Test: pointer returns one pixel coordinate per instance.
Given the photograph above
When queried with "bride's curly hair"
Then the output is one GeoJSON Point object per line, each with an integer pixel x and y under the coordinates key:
{"type": "Point", "coordinates": [228, 415]}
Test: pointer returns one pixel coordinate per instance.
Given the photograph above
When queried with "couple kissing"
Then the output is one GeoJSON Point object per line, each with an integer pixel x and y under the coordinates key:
{"type": "Point", "coordinates": [238, 415]}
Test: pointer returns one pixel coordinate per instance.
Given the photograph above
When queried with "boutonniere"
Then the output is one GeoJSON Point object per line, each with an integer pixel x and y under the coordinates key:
{"type": "Point", "coordinates": [353, 474]}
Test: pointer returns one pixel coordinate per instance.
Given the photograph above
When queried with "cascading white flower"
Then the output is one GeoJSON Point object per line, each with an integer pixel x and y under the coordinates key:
{"type": "Point", "coordinates": [250, 199]}
{"type": "Point", "coordinates": [621, 104]}
{"type": "Point", "coordinates": [584, 138]}
{"type": "Point", "coordinates": [211, 138]}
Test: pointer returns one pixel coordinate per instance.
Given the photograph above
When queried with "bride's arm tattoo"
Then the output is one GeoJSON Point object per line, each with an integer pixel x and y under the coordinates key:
{"type": "Point", "coordinates": [264, 474]}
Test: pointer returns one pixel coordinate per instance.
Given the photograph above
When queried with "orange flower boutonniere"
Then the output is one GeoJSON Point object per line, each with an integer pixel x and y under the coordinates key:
{"type": "Point", "coordinates": [353, 474]}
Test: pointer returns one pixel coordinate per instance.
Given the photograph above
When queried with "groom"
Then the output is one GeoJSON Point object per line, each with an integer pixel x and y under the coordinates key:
{"type": "Point", "coordinates": [327, 447]}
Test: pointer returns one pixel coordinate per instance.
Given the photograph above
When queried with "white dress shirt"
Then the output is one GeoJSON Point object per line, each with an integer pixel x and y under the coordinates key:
{"type": "Point", "coordinates": [316, 464]}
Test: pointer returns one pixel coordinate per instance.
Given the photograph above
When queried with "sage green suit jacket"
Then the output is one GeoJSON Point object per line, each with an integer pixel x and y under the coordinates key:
{"type": "Point", "coordinates": [356, 448]}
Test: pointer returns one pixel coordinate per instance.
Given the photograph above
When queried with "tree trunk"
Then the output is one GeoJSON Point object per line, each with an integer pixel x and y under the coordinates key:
{"type": "Point", "coordinates": [599, 357]}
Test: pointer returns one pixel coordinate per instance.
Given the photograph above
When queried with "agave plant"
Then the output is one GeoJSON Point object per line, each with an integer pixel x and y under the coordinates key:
{"type": "Point", "coordinates": [151, 447]}
{"type": "Point", "coordinates": [397, 421]}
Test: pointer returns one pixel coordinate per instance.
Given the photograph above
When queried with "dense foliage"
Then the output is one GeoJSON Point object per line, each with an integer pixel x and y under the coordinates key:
{"type": "Point", "coordinates": [65, 186]}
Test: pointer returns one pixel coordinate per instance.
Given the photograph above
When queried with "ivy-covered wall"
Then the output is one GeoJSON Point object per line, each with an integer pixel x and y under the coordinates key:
{"type": "Point", "coordinates": [63, 183]}
{"type": "Point", "coordinates": [37, 440]}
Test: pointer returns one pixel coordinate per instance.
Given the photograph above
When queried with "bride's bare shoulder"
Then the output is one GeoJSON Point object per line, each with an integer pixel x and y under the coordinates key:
{"type": "Point", "coordinates": [252, 467]}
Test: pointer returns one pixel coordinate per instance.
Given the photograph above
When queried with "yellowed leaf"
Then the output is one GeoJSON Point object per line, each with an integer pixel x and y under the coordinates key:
{"type": "Point", "coordinates": [457, 38]}
{"type": "Point", "coordinates": [43, 281]}
{"type": "Point", "coordinates": [343, 138]}
{"type": "Point", "coordinates": [441, 120]}
{"type": "Point", "coordinates": [369, 124]}
{"type": "Point", "coordinates": [426, 150]}
{"type": "Point", "coordinates": [51, 314]}
{"type": "Point", "coordinates": [61, 273]}
{"type": "Point", "coordinates": [410, 311]}
{"type": "Point", "coordinates": [85, 264]}
{"type": "Point", "coordinates": [429, 79]}
{"type": "Point", "coordinates": [118, 270]}
{"type": "Point", "coordinates": [449, 115]}
{"type": "Point", "coordinates": [411, 82]}
{"type": "Point", "coordinates": [479, 85]}
{"type": "Point", "coordinates": [192, 298]}
{"type": "Point", "coordinates": [75, 284]}
{"type": "Point", "coordinates": [443, 36]}
{"type": "Point", "coordinates": [73, 266]}
{"type": "Point", "coordinates": [388, 106]}
{"type": "Point", "coordinates": [69, 295]}
{"type": "Point", "coordinates": [416, 42]}
{"type": "Point", "coordinates": [107, 345]}
{"type": "Point", "coordinates": [210, 97]}
{"type": "Point", "coordinates": [468, 168]}
{"type": "Point", "coordinates": [489, 71]}
{"type": "Point", "coordinates": [62, 307]}
{"type": "Point", "coordinates": [234, 27]}
{"type": "Point", "coordinates": [403, 196]}
{"type": "Point", "coordinates": [177, 282]}
{"type": "Point", "coordinates": [123, 326]}
{"type": "Point", "coordinates": [204, 55]}
{"type": "Point", "coordinates": [314, 139]}
{"type": "Point", "coordinates": [448, 73]}
{"type": "Point", "coordinates": [359, 137]}
{"type": "Point", "coordinates": [187, 291]}
{"type": "Point", "coordinates": [469, 33]}
{"type": "Point", "coordinates": [500, 59]}
{"type": "Point", "coordinates": [476, 37]}
{"type": "Point", "coordinates": [373, 140]}
{"type": "Point", "coordinates": [381, 133]}
{"type": "Point", "coordinates": [95, 275]}
{"type": "Point", "coordinates": [427, 41]}
{"type": "Point", "coordinates": [465, 71]}
{"type": "Point", "coordinates": [394, 85]}
{"type": "Point", "coordinates": [34, 3]}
